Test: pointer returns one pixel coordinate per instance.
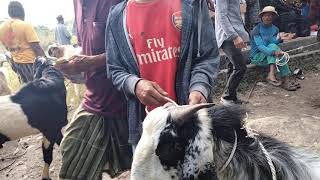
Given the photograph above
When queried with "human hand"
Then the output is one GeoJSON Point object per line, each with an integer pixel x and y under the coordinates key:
{"type": "Point", "coordinates": [195, 97]}
{"type": "Point", "coordinates": [75, 64]}
{"type": "Point", "coordinates": [210, 5]}
{"type": "Point", "coordinates": [239, 43]}
{"type": "Point", "coordinates": [286, 36]}
{"type": "Point", "coordinates": [150, 93]}
{"type": "Point", "coordinates": [278, 53]}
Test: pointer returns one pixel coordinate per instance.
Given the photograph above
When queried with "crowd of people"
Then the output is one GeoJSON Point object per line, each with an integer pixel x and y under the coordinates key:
{"type": "Point", "coordinates": [133, 65]}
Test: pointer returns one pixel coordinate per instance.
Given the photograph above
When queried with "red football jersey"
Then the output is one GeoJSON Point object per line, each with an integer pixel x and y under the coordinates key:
{"type": "Point", "coordinates": [155, 31]}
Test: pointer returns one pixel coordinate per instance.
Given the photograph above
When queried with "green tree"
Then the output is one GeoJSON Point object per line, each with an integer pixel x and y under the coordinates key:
{"type": "Point", "coordinates": [45, 35]}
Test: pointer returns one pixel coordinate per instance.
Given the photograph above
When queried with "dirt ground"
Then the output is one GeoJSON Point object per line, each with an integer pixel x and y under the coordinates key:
{"type": "Point", "coordinates": [293, 117]}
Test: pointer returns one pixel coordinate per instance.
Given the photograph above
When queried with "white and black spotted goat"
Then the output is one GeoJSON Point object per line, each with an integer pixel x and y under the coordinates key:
{"type": "Point", "coordinates": [208, 142]}
{"type": "Point", "coordinates": [39, 106]}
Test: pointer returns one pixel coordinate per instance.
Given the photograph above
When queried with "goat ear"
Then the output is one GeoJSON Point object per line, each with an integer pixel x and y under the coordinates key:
{"type": "Point", "coordinates": [182, 114]}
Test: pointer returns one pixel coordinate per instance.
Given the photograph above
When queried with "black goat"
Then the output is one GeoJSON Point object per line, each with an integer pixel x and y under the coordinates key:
{"type": "Point", "coordinates": [204, 142]}
{"type": "Point", "coordinates": [39, 106]}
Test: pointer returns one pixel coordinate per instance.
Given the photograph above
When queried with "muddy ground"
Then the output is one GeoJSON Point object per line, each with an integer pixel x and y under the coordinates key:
{"type": "Point", "coordinates": [293, 117]}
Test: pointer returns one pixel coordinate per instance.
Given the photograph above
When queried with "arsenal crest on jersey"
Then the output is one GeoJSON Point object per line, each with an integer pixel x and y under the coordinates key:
{"type": "Point", "coordinates": [177, 20]}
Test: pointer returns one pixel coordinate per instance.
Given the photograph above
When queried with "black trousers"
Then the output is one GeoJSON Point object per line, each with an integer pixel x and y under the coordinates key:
{"type": "Point", "coordinates": [24, 71]}
{"type": "Point", "coordinates": [236, 69]}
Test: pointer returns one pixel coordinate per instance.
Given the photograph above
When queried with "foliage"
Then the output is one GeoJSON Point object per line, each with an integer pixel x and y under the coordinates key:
{"type": "Point", "coordinates": [45, 35]}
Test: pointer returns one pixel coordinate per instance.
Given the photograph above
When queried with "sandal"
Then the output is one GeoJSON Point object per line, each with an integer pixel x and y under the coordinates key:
{"type": "Point", "coordinates": [293, 80]}
{"type": "Point", "coordinates": [298, 86]}
{"type": "Point", "coordinates": [289, 86]}
{"type": "Point", "coordinates": [274, 83]}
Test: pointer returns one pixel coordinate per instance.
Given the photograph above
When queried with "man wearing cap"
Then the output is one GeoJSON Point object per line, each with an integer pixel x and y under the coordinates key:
{"type": "Point", "coordinates": [265, 49]}
{"type": "Point", "coordinates": [231, 38]}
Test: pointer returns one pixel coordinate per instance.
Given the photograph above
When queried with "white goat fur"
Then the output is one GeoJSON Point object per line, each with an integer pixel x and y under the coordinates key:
{"type": "Point", "coordinates": [146, 165]}
{"type": "Point", "coordinates": [291, 164]}
{"type": "Point", "coordinates": [14, 118]}
{"type": "Point", "coordinates": [4, 88]}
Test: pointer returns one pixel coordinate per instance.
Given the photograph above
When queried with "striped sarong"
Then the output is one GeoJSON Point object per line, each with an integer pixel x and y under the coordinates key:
{"type": "Point", "coordinates": [93, 144]}
{"type": "Point", "coordinates": [23, 70]}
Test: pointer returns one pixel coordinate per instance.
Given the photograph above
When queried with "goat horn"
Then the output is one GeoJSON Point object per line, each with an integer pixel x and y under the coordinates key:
{"type": "Point", "coordinates": [182, 114]}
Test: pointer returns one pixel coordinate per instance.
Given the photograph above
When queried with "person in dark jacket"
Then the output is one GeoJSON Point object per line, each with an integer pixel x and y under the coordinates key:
{"type": "Point", "coordinates": [151, 62]}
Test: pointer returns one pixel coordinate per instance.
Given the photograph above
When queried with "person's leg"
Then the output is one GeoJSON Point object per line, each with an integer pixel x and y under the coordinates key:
{"type": "Point", "coordinates": [119, 151]}
{"type": "Point", "coordinates": [239, 68]}
{"type": "Point", "coordinates": [83, 147]}
{"type": "Point", "coordinates": [272, 72]}
{"type": "Point", "coordinates": [25, 72]}
{"type": "Point", "coordinates": [284, 70]}
{"type": "Point", "coordinates": [271, 60]}
{"type": "Point", "coordinates": [14, 67]}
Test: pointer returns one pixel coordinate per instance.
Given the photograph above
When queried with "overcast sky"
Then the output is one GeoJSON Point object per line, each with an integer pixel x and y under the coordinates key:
{"type": "Point", "coordinates": [42, 12]}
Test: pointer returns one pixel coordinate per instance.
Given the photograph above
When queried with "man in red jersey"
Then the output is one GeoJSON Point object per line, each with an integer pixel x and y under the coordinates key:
{"type": "Point", "coordinates": [160, 49]}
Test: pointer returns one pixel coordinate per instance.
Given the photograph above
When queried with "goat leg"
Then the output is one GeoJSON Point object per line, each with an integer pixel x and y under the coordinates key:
{"type": "Point", "coordinates": [47, 150]}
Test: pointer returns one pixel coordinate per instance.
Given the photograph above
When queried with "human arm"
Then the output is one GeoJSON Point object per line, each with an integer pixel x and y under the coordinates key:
{"type": "Point", "coordinates": [205, 67]}
{"type": "Point", "coordinates": [125, 76]}
{"type": "Point", "coordinates": [211, 5]}
{"type": "Point", "coordinates": [285, 36]}
{"type": "Point", "coordinates": [261, 45]}
{"type": "Point", "coordinates": [221, 13]}
{"type": "Point", "coordinates": [37, 49]}
{"type": "Point", "coordinates": [66, 32]}
{"type": "Point", "coordinates": [33, 40]}
{"type": "Point", "coordinates": [263, 48]}
{"type": "Point", "coordinates": [81, 63]}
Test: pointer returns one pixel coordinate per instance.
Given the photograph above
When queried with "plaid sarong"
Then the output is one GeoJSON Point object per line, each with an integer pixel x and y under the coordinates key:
{"type": "Point", "coordinates": [24, 71]}
{"type": "Point", "coordinates": [93, 144]}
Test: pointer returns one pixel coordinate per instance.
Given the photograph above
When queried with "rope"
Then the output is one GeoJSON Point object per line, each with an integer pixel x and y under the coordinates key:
{"type": "Point", "coordinates": [285, 59]}
{"type": "Point", "coordinates": [231, 154]}
{"type": "Point", "coordinates": [286, 56]}
{"type": "Point", "coordinates": [272, 168]}
{"type": "Point", "coordinates": [168, 99]}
